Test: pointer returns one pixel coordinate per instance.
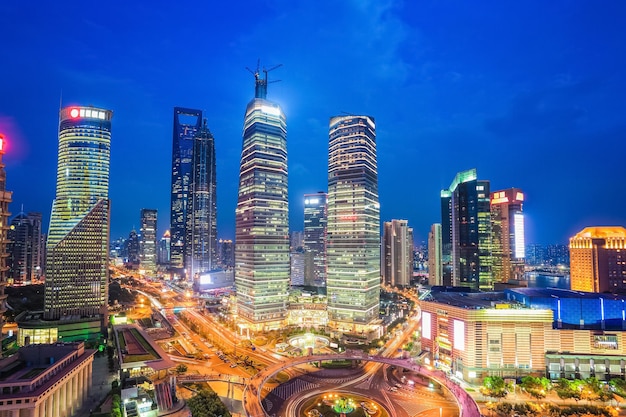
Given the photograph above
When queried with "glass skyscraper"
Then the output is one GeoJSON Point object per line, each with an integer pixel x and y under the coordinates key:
{"type": "Point", "coordinates": [507, 231]}
{"type": "Point", "coordinates": [148, 240]}
{"type": "Point", "coordinates": [78, 237]}
{"type": "Point", "coordinates": [262, 216]}
{"type": "Point", "coordinates": [187, 123]}
{"type": "Point", "coordinates": [315, 217]}
{"type": "Point", "coordinates": [202, 248]}
{"type": "Point", "coordinates": [353, 231]}
{"type": "Point", "coordinates": [466, 232]}
{"type": "Point", "coordinates": [397, 251]}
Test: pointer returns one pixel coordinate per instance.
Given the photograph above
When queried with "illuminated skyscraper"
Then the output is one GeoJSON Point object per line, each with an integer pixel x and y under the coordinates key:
{"type": "Point", "coordinates": [5, 199]}
{"type": "Point", "coordinates": [187, 123]}
{"type": "Point", "coordinates": [353, 232]}
{"type": "Point", "coordinates": [397, 253]}
{"type": "Point", "coordinates": [164, 249]}
{"type": "Point", "coordinates": [25, 248]}
{"type": "Point", "coordinates": [435, 276]}
{"type": "Point", "coordinates": [466, 232]}
{"type": "Point", "coordinates": [262, 215]}
{"type": "Point", "coordinates": [598, 259]}
{"type": "Point", "coordinates": [202, 246]}
{"type": "Point", "coordinates": [507, 231]}
{"type": "Point", "coordinates": [148, 240]}
{"type": "Point", "coordinates": [78, 238]}
{"type": "Point", "coordinates": [315, 217]}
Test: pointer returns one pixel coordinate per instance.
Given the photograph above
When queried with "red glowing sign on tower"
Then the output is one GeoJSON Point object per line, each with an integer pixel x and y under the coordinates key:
{"type": "Point", "coordinates": [74, 113]}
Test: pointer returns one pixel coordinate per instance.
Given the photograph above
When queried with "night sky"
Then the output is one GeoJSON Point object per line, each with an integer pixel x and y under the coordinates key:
{"type": "Point", "coordinates": [530, 93]}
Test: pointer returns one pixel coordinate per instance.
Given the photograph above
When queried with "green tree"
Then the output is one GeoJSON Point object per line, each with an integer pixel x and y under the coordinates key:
{"type": "Point", "coordinates": [494, 386]}
{"type": "Point", "coordinates": [536, 387]}
{"type": "Point", "coordinates": [206, 403]}
{"type": "Point", "coordinates": [618, 386]}
{"type": "Point", "coordinates": [181, 369]}
{"type": "Point", "coordinates": [567, 389]}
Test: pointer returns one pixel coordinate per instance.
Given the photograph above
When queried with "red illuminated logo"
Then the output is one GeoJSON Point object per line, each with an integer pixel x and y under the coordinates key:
{"type": "Point", "coordinates": [74, 113]}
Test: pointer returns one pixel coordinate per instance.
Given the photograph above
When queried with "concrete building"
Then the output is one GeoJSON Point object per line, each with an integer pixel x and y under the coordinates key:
{"type": "Point", "coordinates": [147, 240]}
{"type": "Point", "coordinates": [25, 261]}
{"type": "Point", "coordinates": [435, 276]}
{"type": "Point", "coordinates": [598, 259]}
{"type": "Point", "coordinates": [50, 380]}
{"type": "Point", "coordinates": [397, 253]}
{"type": "Point", "coordinates": [315, 218]}
{"type": "Point", "coordinates": [5, 199]}
{"type": "Point", "coordinates": [507, 235]}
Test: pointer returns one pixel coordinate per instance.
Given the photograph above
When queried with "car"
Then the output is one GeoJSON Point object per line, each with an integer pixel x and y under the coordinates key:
{"type": "Point", "coordinates": [234, 365]}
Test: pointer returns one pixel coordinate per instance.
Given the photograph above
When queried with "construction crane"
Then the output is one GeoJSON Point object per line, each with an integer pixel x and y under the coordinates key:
{"type": "Point", "coordinates": [260, 83]}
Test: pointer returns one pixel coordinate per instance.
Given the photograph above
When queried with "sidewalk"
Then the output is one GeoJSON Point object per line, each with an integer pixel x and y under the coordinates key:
{"type": "Point", "coordinates": [100, 386]}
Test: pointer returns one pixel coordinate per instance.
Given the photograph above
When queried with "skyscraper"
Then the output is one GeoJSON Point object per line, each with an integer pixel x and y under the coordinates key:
{"type": "Point", "coordinates": [397, 253]}
{"type": "Point", "coordinates": [598, 259]}
{"type": "Point", "coordinates": [202, 245]}
{"type": "Point", "coordinates": [353, 231]}
{"type": "Point", "coordinates": [5, 199]}
{"type": "Point", "coordinates": [187, 123]}
{"type": "Point", "coordinates": [315, 218]}
{"type": "Point", "coordinates": [466, 232]}
{"type": "Point", "coordinates": [148, 240]}
{"type": "Point", "coordinates": [507, 231]}
{"type": "Point", "coordinates": [435, 276]}
{"type": "Point", "coordinates": [25, 248]}
{"type": "Point", "coordinates": [262, 215]}
{"type": "Point", "coordinates": [78, 238]}
{"type": "Point", "coordinates": [164, 249]}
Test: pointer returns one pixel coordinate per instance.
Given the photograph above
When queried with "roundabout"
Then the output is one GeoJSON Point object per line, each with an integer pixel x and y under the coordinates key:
{"type": "Point", "coordinates": [341, 404]}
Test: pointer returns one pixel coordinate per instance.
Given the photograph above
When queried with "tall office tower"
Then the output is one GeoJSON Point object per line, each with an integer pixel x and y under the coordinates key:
{"type": "Point", "coordinates": [296, 240]}
{"type": "Point", "coordinates": [397, 253]}
{"type": "Point", "coordinates": [507, 235]}
{"type": "Point", "coordinates": [187, 124]}
{"type": "Point", "coordinates": [5, 199]}
{"type": "Point", "coordinates": [557, 255]}
{"type": "Point", "coordinates": [315, 217]}
{"type": "Point", "coordinates": [262, 215]}
{"type": "Point", "coordinates": [24, 248]}
{"type": "Point", "coordinates": [435, 276]}
{"type": "Point", "coordinates": [466, 232]}
{"type": "Point", "coordinates": [164, 249]}
{"type": "Point", "coordinates": [78, 239]}
{"type": "Point", "coordinates": [227, 253]}
{"type": "Point", "coordinates": [132, 248]}
{"type": "Point", "coordinates": [535, 254]}
{"type": "Point", "coordinates": [353, 231]}
{"type": "Point", "coordinates": [201, 252]}
{"type": "Point", "coordinates": [297, 267]}
{"type": "Point", "coordinates": [598, 259]}
{"type": "Point", "coordinates": [148, 240]}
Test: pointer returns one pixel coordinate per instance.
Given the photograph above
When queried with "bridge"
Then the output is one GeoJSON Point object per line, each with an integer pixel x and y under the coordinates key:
{"type": "Point", "coordinates": [252, 401]}
{"type": "Point", "coordinates": [233, 379]}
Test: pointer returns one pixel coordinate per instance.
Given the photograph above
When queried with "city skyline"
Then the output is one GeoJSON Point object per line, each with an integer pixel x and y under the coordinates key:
{"type": "Point", "coordinates": [451, 89]}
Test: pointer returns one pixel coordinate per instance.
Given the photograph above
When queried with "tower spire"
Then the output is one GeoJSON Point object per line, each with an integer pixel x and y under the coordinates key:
{"type": "Point", "coordinates": [260, 81]}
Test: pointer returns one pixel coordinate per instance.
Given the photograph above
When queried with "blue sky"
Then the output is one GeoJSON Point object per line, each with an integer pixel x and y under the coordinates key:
{"type": "Point", "coordinates": [530, 93]}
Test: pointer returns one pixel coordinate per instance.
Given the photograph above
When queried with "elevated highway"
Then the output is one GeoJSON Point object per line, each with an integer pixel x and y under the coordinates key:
{"type": "Point", "coordinates": [252, 401]}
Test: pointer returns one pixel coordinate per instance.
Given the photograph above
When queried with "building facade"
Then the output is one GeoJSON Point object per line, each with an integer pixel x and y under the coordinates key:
{"type": "Point", "coordinates": [25, 261]}
{"type": "Point", "coordinates": [262, 216]}
{"type": "Point", "coordinates": [353, 228]}
{"type": "Point", "coordinates": [187, 123]}
{"type": "Point", "coordinates": [202, 246]}
{"type": "Point", "coordinates": [507, 228]}
{"type": "Point", "coordinates": [315, 219]}
{"type": "Point", "coordinates": [397, 253]}
{"type": "Point", "coordinates": [466, 232]}
{"type": "Point", "coordinates": [78, 238]}
{"type": "Point", "coordinates": [435, 276]}
{"type": "Point", "coordinates": [148, 240]}
{"type": "Point", "coordinates": [5, 199]}
{"type": "Point", "coordinates": [163, 257]}
{"type": "Point", "coordinates": [598, 259]}
{"type": "Point", "coordinates": [46, 380]}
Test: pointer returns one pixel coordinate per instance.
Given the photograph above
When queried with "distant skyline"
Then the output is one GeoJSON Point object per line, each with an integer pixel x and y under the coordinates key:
{"type": "Point", "coordinates": [531, 94]}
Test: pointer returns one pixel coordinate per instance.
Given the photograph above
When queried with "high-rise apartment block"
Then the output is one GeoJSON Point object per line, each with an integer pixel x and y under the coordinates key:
{"type": "Point", "coordinates": [508, 244]}
{"type": "Point", "coordinates": [598, 259]}
{"type": "Point", "coordinates": [25, 261]}
{"type": "Point", "coordinates": [227, 253]}
{"type": "Point", "coordinates": [187, 123]}
{"type": "Point", "coordinates": [315, 218]}
{"type": "Point", "coordinates": [201, 246]}
{"type": "Point", "coordinates": [466, 232]}
{"type": "Point", "coordinates": [435, 276]}
{"type": "Point", "coordinates": [353, 231]}
{"type": "Point", "coordinates": [78, 239]}
{"type": "Point", "coordinates": [163, 257]}
{"type": "Point", "coordinates": [397, 253]}
{"type": "Point", "coordinates": [148, 240]}
{"type": "Point", "coordinates": [5, 199]}
{"type": "Point", "coordinates": [262, 216]}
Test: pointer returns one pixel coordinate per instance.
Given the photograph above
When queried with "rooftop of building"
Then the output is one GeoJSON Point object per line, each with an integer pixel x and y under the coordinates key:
{"type": "Point", "coordinates": [563, 293]}
{"type": "Point", "coordinates": [472, 300]}
{"type": "Point", "coordinates": [601, 232]}
{"type": "Point", "coordinates": [135, 346]}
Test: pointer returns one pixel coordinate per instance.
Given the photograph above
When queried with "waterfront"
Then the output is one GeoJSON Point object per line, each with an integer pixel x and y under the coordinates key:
{"type": "Point", "coordinates": [538, 280]}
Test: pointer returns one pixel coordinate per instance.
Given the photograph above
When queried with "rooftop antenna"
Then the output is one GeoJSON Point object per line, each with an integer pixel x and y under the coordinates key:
{"type": "Point", "coordinates": [260, 82]}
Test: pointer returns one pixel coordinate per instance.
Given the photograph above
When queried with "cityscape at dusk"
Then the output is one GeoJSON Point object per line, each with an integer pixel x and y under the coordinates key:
{"type": "Point", "coordinates": [322, 209]}
{"type": "Point", "coordinates": [529, 94]}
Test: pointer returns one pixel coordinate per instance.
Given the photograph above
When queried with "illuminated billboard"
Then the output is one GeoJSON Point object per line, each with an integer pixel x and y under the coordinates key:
{"type": "Point", "coordinates": [518, 221]}
{"type": "Point", "coordinates": [459, 335]}
{"type": "Point", "coordinates": [426, 325]}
